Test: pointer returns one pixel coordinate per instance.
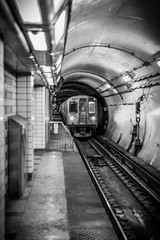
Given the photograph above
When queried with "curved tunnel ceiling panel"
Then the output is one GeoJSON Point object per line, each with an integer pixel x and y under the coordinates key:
{"type": "Point", "coordinates": [107, 61]}
{"type": "Point", "coordinates": [126, 99]}
{"type": "Point", "coordinates": [108, 38]}
{"type": "Point", "coordinates": [83, 77]}
{"type": "Point", "coordinates": [128, 26]}
{"type": "Point", "coordinates": [71, 86]}
{"type": "Point", "coordinates": [117, 33]}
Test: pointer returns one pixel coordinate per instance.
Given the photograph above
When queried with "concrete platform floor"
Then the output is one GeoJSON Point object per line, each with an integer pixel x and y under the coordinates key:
{"type": "Point", "coordinates": [41, 212]}
{"type": "Point", "coordinates": [60, 203]}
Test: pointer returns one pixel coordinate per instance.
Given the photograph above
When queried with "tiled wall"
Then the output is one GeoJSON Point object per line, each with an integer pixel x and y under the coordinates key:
{"type": "Point", "coordinates": [9, 110]}
{"type": "Point", "coordinates": [17, 96]}
{"type": "Point", "coordinates": [39, 118]}
{"type": "Point", "coordinates": [10, 94]}
{"type": "Point", "coordinates": [25, 109]}
{"type": "Point", "coordinates": [2, 145]}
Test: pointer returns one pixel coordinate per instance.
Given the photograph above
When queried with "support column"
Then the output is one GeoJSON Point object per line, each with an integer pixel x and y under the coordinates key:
{"type": "Point", "coordinates": [2, 144]}
{"type": "Point", "coordinates": [47, 116]}
{"type": "Point", "coordinates": [25, 109]}
{"type": "Point", "coordinates": [39, 121]}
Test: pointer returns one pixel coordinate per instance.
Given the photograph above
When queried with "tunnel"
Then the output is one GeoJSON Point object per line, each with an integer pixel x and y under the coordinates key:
{"type": "Point", "coordinates": [112, 52]}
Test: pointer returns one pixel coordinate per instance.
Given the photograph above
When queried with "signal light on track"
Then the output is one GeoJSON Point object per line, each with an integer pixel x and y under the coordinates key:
{"type": "Point", "coordinates": [137, 119]}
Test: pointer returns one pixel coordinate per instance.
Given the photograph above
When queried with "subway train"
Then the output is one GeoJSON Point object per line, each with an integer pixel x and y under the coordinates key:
{"type": "Point", "coordinates": [79, 113]}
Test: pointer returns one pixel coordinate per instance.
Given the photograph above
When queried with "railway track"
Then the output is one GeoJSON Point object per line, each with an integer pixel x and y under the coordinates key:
{"type": "Point", "coordinates": [133, 206]}
{"type": "Point", "coordinates": [147, 177]}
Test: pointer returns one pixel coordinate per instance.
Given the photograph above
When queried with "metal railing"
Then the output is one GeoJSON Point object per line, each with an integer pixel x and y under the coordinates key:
{"type": "Point", "coordinates": [60, 137]}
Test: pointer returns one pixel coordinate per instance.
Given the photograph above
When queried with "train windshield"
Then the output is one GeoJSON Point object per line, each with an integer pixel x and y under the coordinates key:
{"type": "Point", "coordinates": [73, 107]}
{"type": "Point", "coordinates": [82, 107]}
{"type": "Point", "coordinates": [92, 107]}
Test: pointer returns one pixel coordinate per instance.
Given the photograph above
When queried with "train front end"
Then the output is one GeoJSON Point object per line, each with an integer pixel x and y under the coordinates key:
{"type": "Point", "coordinates": [82, 116]}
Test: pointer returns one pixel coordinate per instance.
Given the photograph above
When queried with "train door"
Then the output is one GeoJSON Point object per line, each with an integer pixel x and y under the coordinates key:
{"type": "Point", "coordinates": [82, 112]}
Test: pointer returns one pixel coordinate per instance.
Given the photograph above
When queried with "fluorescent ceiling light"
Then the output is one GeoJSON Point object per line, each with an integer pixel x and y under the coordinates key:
{"type": "Point", "coordinates": [48, 75]}
{"type": "Point", "coordinates": [158, 62]}
{"type": "Point", "coordinates": [52, 53]}
{"type": "Point", "coordinates": [58, 79]}
{"type": "Point", "coordinates": [53, 67]}
{"type": "Point", "coordinates": [38, 71]}
{"type": "Point", "coordinates": [59, 61]}
{"type": "Point", "coordinates": [127, 78]}
{"type": "Point", "coordinates": [58, 69]}
{"type": "Point", "coordinates": [29, 11]}
{"type": "Point", "coordinates": [31, 56]}
{"type": "Point", "coordinates": [60, 26]}
{"type": "Point", "coordinates": [50, 81]}
{"type": "Point", "coordinates": [38, 41]}
{"type": "Point", "coordinates": [105, 87]}
{"type": "Point", "coordinates": [57, 4]}
{"type": "Point", "coordinates": [114, 90]}
{"type": "Point", "coordinates": [46, 68]}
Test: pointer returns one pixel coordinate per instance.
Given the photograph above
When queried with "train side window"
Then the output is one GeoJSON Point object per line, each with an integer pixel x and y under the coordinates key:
{"type": "Point", "coordinates": [73, 106]}
{"type": "Point", "coordinates": [91, 107]}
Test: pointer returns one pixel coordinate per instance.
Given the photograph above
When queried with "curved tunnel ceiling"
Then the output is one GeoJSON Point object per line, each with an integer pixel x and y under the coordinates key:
{"type": "Point", "coordinates": [106, 40]}
{"type": "Point", "coordinates": [72, 88]}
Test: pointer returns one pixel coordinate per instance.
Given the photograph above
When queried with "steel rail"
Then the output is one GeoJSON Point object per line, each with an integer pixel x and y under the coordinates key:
{"type": "Point", "coordinates": [144, 173]}
{"type": "Point", "coordinates": [121, 233]}
{"type": "Point", "coordinates": [140, 184]}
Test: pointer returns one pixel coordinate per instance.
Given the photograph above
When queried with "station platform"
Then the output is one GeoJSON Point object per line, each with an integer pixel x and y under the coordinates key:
{"type": "Point", "coordinates": [60, 203]}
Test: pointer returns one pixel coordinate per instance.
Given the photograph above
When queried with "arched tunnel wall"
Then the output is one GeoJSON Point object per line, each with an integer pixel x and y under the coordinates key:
{"type": "Point", "coordinates": [102, 115]}
{"type": "Point", "coordinates": [122, 119]}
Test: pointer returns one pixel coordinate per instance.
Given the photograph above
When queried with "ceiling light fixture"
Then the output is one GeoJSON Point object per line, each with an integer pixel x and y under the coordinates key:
{"type": "Point", "coordinates": [108, 86]}
{"type": "Point", "coordinates": [52, 53]}
{"type": "Point", "coordinates": [58, 69]}
{"type": "Point", "coordinates": [44, 25]}
{"type": "Point", "coordinates": [127, 77]}
{"type": "Point", "coordinates": [158, 61]}
{"type": "Point", "coordinates": [38, 40]}
{"type": "Point", "coordinates": [105, 87]}
{"type": "Point", "coordinates": [50, 81]}
{"type": "Point", "coordinates": [48, 74]}
{"type": "Point", "coordinates": [45, 68]}
{"type": "Point", "coordinates": [53, 67]}
{"type": "Point", "coordinates": [60, 27]}
{"type": "Point", "coordinates": [31, 56]}
{"type": "Point", "coordinates": [58, 79]}
{"type": "Point", "coordinates": [29, 11]}
{"type": "Point", "coordinates": [59, 61]}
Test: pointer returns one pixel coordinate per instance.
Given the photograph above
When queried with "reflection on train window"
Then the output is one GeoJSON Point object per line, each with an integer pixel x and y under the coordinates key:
{"type": "Point", "coordinates": [73, 107]}
{"type": "Point", "coordinates": [91, 107]}
{"type": "Point", "coordinates": [82, 107]}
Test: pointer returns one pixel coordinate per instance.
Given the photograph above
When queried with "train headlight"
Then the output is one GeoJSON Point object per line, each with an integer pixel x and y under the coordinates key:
{"type": "Point", "coordinates": [71, 118]}
{"type": "Point", "coordinates": [93, 118]}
